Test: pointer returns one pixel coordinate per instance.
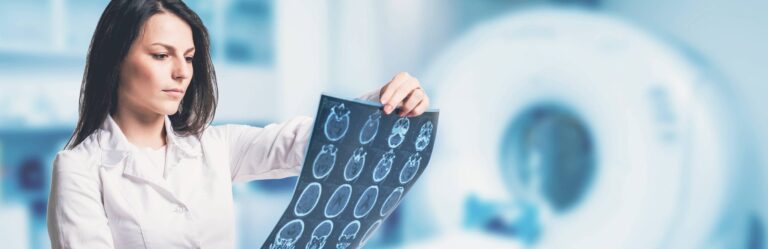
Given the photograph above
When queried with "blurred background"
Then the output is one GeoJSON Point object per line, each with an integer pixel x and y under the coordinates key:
{"type": "Point", "coordinates": [564, 123]}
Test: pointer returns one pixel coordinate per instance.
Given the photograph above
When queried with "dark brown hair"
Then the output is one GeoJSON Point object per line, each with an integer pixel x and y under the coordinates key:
{"type": "Point", "coordinates": [118, 28]}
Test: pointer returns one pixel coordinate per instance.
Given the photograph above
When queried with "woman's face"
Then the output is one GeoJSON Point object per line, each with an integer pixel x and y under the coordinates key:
{"type": "Point", "coordinates": [157, 68]}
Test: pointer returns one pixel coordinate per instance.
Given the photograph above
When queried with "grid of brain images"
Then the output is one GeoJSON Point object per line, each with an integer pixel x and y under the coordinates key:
{"type": "Point", "coordinates": [359, 165]}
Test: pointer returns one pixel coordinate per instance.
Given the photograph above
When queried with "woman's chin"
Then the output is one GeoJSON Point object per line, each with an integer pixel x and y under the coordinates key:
{"type": "Point", "coordinates": [169, 110]}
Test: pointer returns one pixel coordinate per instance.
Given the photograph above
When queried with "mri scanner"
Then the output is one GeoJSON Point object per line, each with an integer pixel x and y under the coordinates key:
{"type": "Point", "coordinates": [574, 129]}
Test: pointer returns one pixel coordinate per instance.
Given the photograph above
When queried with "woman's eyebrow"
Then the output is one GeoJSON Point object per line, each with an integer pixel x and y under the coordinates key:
{"type": "Point", "coordinates": [169, 47]}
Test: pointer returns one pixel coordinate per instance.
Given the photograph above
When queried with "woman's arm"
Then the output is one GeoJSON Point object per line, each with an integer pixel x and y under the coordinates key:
{"type": "Point", "coordinates": [275, 151]}
{"type": "Point", "coordinates": [76, 217]}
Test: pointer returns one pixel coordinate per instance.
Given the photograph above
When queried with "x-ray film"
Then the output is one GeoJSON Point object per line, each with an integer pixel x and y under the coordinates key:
{"type": "Point", "coordinates": [359, 165]}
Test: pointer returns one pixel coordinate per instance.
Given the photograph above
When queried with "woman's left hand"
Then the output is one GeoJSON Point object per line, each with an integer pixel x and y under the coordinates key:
{"type": "Point", "coordinates": [404, 91]}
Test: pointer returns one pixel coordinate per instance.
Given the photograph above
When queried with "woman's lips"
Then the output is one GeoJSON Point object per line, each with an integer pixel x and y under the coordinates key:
{"type": "Point", "coordinates": [174, 92]}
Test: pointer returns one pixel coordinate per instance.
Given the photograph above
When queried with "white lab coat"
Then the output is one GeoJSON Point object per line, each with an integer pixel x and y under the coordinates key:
{"type": "Point", "coordinates": [104, 196]}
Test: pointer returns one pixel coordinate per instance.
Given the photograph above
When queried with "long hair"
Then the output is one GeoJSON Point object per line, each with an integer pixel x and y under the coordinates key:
{"type": "Point", "coordinates": [118, 28]}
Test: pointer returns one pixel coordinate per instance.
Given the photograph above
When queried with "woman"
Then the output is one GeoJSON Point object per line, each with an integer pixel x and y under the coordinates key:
{"type": "Point", "coordinates": [143, 168]}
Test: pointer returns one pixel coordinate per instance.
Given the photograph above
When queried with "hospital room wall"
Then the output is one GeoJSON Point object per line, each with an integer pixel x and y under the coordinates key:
{"type": "Point", "coordinates": [349, 47]}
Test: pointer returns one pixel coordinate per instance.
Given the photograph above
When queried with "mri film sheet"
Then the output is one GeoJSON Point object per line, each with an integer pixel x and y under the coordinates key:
{"type": "Point", "coordinates": [359, 165]}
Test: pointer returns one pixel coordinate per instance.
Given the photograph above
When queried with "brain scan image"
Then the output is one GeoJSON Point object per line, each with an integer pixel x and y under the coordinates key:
{"type": "Point", "coordinates": [366, 202]}
{"type": "Point", "coordinates": [337, 123]}
{"type": "Point", "coordinates": [320, 235]}
{"type": "Point", "coordinates": [410, 168]}
{"type": "Point", "coordinates": [355, 164]}
{"type": "Point", "coordinates": [370, 128]}
{"type": "Point", "coordinates": [348, 235]}
{"type": "Point", "coordinates": [425, 133]}
{"type": "Point", "coordinates": [338, 201]}
{"type": "Point", "coordinates": [308, 199]}
{"type": "Point", "coordinates": [288, 235]}
{"type": "Point", "coordinates": [398, 132]}
{"type": "Point", "coordinates": [391, 202]}
{"type": "Point", "coordinates": [384, 166]}
{"type": "Point", "coordinates": [341, 206]}
{"type": "Point", "coordinates": [324, 161]}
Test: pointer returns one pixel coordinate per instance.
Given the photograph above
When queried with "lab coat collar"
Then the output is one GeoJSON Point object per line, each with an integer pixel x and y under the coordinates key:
{"type": "Point", "coordinates": [117, 150]}
{"type": "Point", "coordinates": [115, 140]}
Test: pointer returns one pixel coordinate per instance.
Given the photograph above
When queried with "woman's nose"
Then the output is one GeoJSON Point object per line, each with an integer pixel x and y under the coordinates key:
{"type": "Point", "coordinates": [181, 69]}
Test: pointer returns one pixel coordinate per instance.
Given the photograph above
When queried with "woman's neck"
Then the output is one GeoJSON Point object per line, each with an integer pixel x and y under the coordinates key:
{"type": "Point", "coordinates": [142, 130]}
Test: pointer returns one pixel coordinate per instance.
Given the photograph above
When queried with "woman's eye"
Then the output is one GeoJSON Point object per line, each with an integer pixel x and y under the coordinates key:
{"type": "Point", "coordinates": [189, 59]}
{"type": "Point", "coordinates": [159, 56]}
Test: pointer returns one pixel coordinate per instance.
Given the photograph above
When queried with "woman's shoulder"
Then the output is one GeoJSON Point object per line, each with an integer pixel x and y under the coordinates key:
{"type": "Point", "coordinates": [220, 131]}
{"type": "Point", "coordinates": [82, 156]}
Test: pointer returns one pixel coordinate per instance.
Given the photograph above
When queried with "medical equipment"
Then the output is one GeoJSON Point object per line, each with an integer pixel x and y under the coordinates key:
{"type": "Point", "coordinates": [586, 132]}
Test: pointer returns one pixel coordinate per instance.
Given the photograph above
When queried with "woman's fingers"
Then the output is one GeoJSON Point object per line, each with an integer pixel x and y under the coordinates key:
{"type": "Point", "coordinates": [404, 91]}
{"type": "Point", "coordinates": [401, 92]}
{"type": "Point", "coordinates": [420, 108]}
{"type": "Point", "coordinates": [388, 91]}
{"type": "Point", "coordinates": [410, 102]}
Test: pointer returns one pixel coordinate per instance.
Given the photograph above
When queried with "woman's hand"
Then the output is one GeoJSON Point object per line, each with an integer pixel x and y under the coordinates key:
{"type": "Point", "coordinates": [404, 91]}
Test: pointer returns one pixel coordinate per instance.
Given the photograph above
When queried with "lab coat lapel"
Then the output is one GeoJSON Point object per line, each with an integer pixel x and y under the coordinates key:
{"type": "Point", "coordinates": [117, 151]}
{"type": "Point", "coordinates": [186, 147]}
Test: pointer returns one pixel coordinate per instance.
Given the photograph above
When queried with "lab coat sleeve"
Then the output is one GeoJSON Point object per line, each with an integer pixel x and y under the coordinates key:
{"type": "Point", "coordinates": [76, 217]}
{"type": "Point", "coordinates": [274, 151]}
{"type": "Point", "coordinates": [371, 96]}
